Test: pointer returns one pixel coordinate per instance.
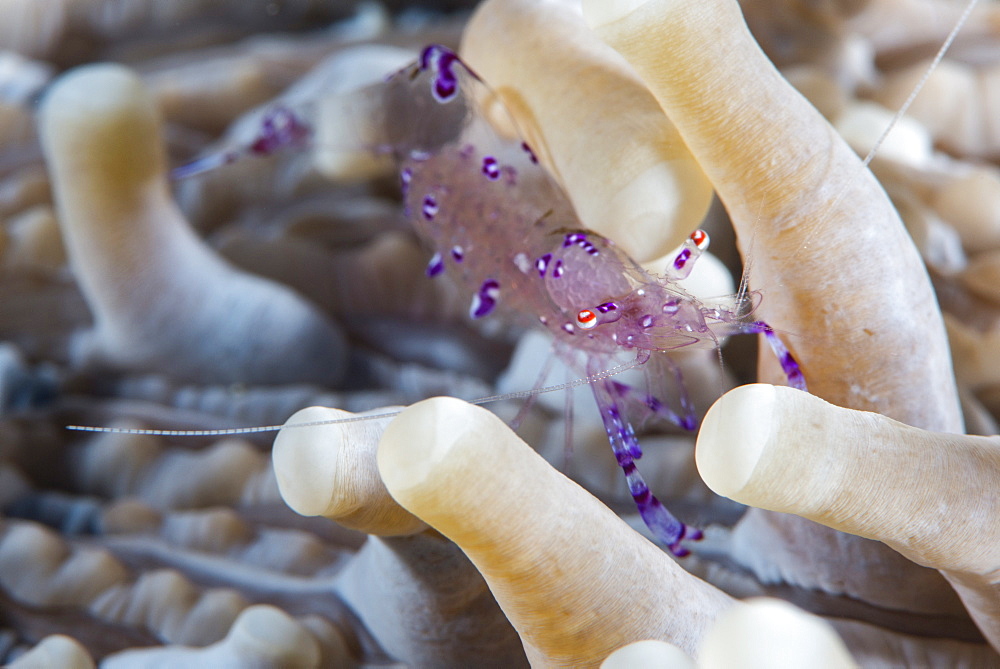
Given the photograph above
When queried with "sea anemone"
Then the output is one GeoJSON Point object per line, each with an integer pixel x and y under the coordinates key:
{"type": "Point", "coordinates": [437, 536]}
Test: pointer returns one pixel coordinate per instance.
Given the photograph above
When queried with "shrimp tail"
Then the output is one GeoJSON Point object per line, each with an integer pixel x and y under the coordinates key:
{"type": "Point", "coordinates": [350, 131]}
{"type": "Point", "coordinates": [280, 128]}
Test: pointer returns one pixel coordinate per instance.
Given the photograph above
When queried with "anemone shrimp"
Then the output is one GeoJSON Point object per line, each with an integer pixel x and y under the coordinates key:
{"type": "Point", "coordinates": [504, 230]}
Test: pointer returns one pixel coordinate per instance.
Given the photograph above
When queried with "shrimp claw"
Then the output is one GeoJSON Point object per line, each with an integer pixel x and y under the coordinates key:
{"type": "Point", "coordinates": [663, 524]}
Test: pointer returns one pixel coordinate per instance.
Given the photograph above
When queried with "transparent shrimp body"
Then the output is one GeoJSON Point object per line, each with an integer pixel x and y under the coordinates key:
{"type": "Point", "coordinates": [504, 229]}
{"type": "Point", "coordinates": [501, 227]}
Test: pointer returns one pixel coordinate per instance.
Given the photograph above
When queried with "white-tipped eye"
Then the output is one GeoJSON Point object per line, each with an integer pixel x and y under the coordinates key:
{"type": "Point", "coordinates": [586, 319]}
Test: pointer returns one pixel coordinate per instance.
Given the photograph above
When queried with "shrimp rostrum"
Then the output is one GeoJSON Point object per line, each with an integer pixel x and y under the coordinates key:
{"type": "Point", "coordinates": [501, 227]}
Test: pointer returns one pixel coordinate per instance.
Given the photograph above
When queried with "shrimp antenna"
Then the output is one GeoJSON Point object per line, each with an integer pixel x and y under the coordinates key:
{"type": "Point", "coordinates": [894, 121]}
{"type": "Point", "coordinates": [938, 57]}
{"type": "Point", "coordinates": [744, 287]}
{"type": "Point", "coordinates": [586, 380]}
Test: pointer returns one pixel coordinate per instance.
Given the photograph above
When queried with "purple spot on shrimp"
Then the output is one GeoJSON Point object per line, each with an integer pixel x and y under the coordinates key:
{"type": "Point", "coordinates": [428, 54]}
{"type": "Point", "coordinates": [405, 177]}
{"type": "Point", "coordinates": [568, 328]}
{"type": "Point", "coordinates": [664, 525]}
{"type": "Point", "coordinates": [430, 207]}
{"type": "Point", "coordinates": [480, 307]}
{"type": "Point", "coordinates": [624, 460]}
{"type": "Point", "coordinates": [441, 60]}
{"type": "Point", "coordinates": [580, 239]}
{"type": "Point", "coordinates": [671, 307]}
{"type": "Point", "coordinates": [486, 299]}
{"type": "Point", "coordinates": [637, 486]}
{"type": "Point", "coordinates": [457, 253]}
{"type": "Point", "coordinates": [491, 168]}
{"type": "Point", "coordinates": [280, 128]}
{"type": "Point", "coordinates": [632, 443]}
{"type": "Point", "coordinates": [558, 270]}
{"type": "Point", "coordinates": [446, 58]}
{"type": "Point", "coordinates": [647, 321]}
{"type": "Point", "coordinates": [682, 258]}
{"type": "Point", "coordinates": [607, 307]}
{"type": "Point", "coordinates": [445, 84]}
{"type": "Point", "coordinates": [620, 432]}
{"type": "Point", "coordinates": [793, 372]}
{"type": "Point", "coordinates": [789, 365]}
{"type": "Point", "coordinates": [543, 263]}
{"type": "Point", "coordinates": [445, 88]}
{"type": "Point", "coordinates": [531, 154]}
{"type": "Point", "coordinates": [435, 266]}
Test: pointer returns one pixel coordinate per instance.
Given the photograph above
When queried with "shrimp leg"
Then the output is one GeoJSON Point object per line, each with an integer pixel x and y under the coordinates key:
{"type": "Point", "coordinates": [663, 524]}
{"type": "Point", "coordinates": [687, 419]}
{"type": "Point", "coordinates": [729, 324]}
{"type": "Point", "coordinates": [789, 365]}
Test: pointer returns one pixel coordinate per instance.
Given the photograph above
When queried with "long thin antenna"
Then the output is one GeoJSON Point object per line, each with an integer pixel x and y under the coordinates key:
{"type": "Point", "coordinates": [599, 376]}
{"type": "Point", "coordinates": [894, 121]}
{"type": "Point", "coordinates": [938, 57]}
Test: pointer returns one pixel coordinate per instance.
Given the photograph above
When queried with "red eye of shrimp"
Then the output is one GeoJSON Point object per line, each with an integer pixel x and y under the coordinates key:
{"type": "Point", "coordinates": [607, 312]}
